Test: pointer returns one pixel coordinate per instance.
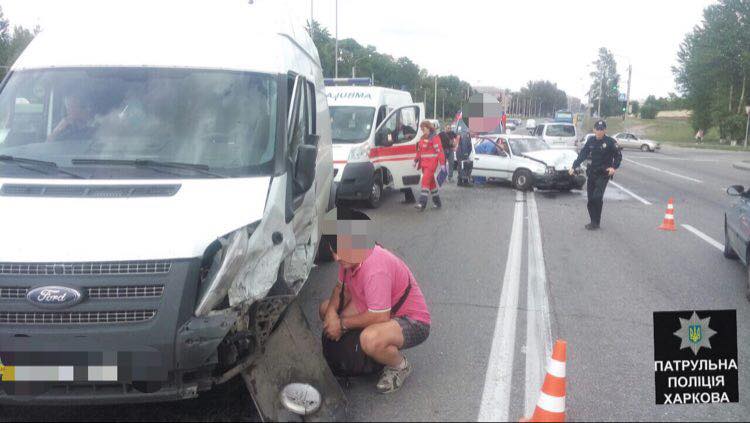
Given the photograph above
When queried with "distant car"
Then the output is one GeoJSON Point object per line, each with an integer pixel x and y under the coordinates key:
{"type": "Point", "coordinates": [524, 161]}
{"type": "Point", "coordinates": [628, 140]}
{"type": "Point", "coordinates": [530, 125]}
{"type": "Point", "coordinates": [736, 235]}
{"type": "Point", "coordinates": [510, 125]}
{"type": "Point", "coordinates": [557, 134]}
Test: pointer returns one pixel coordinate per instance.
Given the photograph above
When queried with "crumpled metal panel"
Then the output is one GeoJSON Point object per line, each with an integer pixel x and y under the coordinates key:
{"type": "Point", "coordinates": [263, 256]}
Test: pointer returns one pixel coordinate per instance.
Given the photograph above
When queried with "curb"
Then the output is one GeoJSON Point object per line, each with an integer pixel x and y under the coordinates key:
{"type": "Point", "coordinates": [741, 165]}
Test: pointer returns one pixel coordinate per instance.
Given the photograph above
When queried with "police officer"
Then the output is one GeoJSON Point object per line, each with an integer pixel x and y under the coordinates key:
{"type": "Point", "coordinates": [605, 159]}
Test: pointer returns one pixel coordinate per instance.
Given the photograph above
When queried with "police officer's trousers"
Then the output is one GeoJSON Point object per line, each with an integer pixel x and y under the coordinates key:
{"type": "Point", "coordinates": [595, 186]}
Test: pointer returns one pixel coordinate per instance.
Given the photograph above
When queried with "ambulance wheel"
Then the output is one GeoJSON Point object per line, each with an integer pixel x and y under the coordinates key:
{"type": "Point", "coordinates": [376, 195]}
{"type": "Point", "coordinates": [522, 180]}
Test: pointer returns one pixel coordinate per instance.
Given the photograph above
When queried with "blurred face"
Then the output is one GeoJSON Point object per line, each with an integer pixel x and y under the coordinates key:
{"type": "Point", "coordinates": [599, 133]}
{"type": "Point", "coordinates": [75, 109]}
{"type": "Point", "coordinates": [351, 250]}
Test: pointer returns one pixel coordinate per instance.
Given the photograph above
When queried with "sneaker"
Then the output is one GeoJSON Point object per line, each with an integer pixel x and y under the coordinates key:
{"type": "Point", "coordinates": [419, 207]}
{"type": "Point", "coordinates": [592, 226]}
{"type": "Point", "coordinates": [392, 379]}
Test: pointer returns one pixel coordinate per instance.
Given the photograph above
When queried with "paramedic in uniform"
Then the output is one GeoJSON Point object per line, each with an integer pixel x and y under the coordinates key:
{"type": "Point", "coordinates": [605, 159]}
{"type": "Point", "coordinates": [429, 156]}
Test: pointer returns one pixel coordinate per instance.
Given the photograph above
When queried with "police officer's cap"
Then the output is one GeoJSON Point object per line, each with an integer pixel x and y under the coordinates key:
{"type": "Point", "coordinates": [600, 125]}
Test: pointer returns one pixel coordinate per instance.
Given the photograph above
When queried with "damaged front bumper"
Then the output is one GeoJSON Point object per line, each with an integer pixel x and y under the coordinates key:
{"type": "Point", "coordinates": [560, 179]}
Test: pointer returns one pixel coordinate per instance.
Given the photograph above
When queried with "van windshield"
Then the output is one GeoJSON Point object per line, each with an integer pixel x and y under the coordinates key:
{"type": "Point", "coordinates": [351, 124]}
{"type": "Point", "coordinates": [95, 121]}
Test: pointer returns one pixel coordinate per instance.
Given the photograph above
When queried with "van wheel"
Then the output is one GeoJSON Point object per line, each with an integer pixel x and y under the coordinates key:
{"type": "Point", "coordinates": [376, 194]}
{"type": "Point", "coordinates": [728, 250]}
{"type": "Point", "coordinates": [324, 252]}
{"type": "Point", "coordinates": [645, 148]}
{"type": "Point", "coordinates": [522, 180]}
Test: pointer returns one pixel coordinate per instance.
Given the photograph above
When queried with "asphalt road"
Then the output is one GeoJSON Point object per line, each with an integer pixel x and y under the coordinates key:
{"type": "Point", "coordinates": [506, 273]}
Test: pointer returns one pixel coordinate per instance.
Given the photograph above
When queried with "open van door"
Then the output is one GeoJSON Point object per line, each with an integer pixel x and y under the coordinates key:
{"type": "Point", "coordinates": [395, 147]}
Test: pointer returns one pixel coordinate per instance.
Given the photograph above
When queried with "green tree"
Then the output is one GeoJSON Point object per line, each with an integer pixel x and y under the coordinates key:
{"type": "Point", "coordinates": [713, 70]}
{"type": "Point", "coordinates": [12, 43]}
{"type": "Point", "coordinates": [543, 96]}
{"type": "Point", "coordinates": [605, 84]}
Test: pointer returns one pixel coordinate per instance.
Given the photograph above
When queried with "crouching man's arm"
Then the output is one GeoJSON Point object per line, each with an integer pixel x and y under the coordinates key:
{"type": "Point", "coordinates": [331, 319]}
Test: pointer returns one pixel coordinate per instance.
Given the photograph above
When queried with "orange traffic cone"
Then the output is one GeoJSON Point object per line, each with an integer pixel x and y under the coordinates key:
{"type": "Point", "coordinates": [668, 223]}
{"type": "Point", "coordinates": [551, 404]}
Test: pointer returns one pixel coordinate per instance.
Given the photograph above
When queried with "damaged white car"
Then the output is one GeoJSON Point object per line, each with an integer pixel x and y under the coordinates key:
{"type": "Point", "coordinates": [162, 194]}
{"type": "Point", "coordinates": [524, 161]}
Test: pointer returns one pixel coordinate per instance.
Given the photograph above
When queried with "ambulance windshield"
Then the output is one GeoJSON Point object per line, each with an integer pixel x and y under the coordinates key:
{"type": "Point", "coordinates": [351, 124]}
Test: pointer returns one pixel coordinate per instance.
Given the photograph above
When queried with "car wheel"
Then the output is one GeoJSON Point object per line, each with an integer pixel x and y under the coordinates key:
{"type": "Point", "coordinates": [376, 195]}
{"type": "Point", "coordinates": [645, 148]}
{"type": "Point", "coordinates": [728, 250]}
{"type": "Point", "coordinates": [324, 252]}
{"type": "Point", "coordinates": [522, 180]}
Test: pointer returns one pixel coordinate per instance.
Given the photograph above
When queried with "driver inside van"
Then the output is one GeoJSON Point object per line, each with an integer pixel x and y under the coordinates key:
{"type": "Point", "coordinates": [77, 122]}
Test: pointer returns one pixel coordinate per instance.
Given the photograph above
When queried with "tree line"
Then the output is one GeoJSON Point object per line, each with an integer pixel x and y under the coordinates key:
{"type": "Point", "coordinates": [12, 42]}
{"type": "Point", "coordinates": [713, 71]}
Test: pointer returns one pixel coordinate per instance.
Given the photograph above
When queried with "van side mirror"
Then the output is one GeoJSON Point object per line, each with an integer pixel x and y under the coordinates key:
{"type": "Point", "coordinates": [304, 176]}
{"type": "Point", "coordinates": [736, 190]}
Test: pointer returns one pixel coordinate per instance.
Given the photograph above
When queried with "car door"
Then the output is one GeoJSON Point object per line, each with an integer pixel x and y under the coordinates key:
{"type": "Point", "coordinates": [622, 140]}
{"type": "Point", "coordinates": [738, 225]}
{"type": "Point", "coordinates": [395, 147]}
{"type": "Point", "coordinates": [490, 165]}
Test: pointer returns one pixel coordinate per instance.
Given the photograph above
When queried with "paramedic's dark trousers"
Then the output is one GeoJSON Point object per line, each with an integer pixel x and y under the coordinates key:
{"type": "Point", "coordinates": [595, 186]}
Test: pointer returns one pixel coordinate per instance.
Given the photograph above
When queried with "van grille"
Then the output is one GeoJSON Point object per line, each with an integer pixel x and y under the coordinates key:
{"type": "Point", "coordinates": [93, 268]}
{"type": "Point", "coordinates": [126, 291]}
{"type": "Point", "coordinates": [88, 191]}
{"type": "Point", "coordinates": [12, 293]}
{"type": "Point", "coordinates": [98, 293]}
{"type": "Point", "coordinates": [76, 318]}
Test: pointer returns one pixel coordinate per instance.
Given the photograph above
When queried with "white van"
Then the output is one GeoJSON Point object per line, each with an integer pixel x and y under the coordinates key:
{"type": "Point", "coordinates": [375, 132]}
{"type": "Point", "coordinates": [557, 134]}
{"type": "Point", "coordinates": [162, 196]}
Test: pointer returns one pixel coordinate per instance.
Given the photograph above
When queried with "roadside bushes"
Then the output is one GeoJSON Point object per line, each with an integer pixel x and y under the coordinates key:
{"type": "Point", "coordinates": [648, 111]}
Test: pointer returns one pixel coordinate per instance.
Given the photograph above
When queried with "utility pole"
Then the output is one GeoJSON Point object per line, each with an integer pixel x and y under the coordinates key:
{"type": "Point", "coordinates": [601, 93]}
{"type": "Point", "coordinates": [336, 48]}
{"type": "Point", "coordinates": [747, 127]}
{"type": "Point", "coordinates": [443, 113]}
{"type": "Point", "coordinates": [434, 103]}
{"type": "Point", "coordinates": [627, 100]}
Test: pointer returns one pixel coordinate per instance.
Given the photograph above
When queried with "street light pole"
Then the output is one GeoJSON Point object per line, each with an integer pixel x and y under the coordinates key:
{"type": "Point", "coordinates": [747, 126]}
{"type": "Point", "coordinates": [434, 103]}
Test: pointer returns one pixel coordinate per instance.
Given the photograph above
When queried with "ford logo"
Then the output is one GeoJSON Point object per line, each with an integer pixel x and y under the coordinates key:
{"type": "Point", "coordinates": [54, 296]}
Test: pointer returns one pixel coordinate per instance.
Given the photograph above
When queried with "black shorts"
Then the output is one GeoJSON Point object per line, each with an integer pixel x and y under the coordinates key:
{"type": "Point", "coordinates": [415, 332]}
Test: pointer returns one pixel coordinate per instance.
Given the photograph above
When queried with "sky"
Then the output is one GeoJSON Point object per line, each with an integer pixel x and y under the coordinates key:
{"type": "Point", "coordinates": [502, 43]}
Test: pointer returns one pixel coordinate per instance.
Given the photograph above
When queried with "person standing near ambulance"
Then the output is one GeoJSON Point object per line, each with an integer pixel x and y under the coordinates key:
{"type": "Point", "coordinates": [429, 156]}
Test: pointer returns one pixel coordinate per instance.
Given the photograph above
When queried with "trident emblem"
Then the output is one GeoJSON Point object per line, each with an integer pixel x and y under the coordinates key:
{"type": "Point", "coordinates": [694, 333]}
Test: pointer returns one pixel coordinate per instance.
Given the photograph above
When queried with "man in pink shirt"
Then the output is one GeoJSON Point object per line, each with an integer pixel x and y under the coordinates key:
{"type": "Point", "coordinates": [374, 281]}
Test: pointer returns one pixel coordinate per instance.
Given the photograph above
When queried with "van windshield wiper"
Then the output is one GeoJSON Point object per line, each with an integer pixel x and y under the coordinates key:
{"type": "Point", "coordinates": [153, 164]}
{"type": "Point", "coordinates": [21, 161]}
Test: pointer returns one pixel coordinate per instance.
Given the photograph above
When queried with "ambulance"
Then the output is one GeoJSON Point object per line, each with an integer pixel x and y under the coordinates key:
{"type": "Point", "coordinates": [375, 131]}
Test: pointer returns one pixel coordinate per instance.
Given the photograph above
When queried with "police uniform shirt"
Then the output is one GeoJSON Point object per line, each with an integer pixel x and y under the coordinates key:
{"type": "Point", "coordinates": [604, 154]}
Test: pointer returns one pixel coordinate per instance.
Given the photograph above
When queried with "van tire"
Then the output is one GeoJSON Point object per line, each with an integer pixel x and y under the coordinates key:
{"type": "Point", "coordinates": [376, 194]}
{"type": "Point", "coordinates": [324, 253]}
{"type": "Point", "coordinates": [522, 180]}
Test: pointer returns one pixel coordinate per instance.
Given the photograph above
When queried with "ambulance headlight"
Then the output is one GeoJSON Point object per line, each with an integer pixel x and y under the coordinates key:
{"type": "Point", "coordinates": [359, 153]}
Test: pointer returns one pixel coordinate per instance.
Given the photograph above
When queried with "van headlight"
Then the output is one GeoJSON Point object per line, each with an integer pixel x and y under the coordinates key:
{"type": "Point", "coordinates": [359, 153]}
{"type": "Point", "coordinates": [221, 264]}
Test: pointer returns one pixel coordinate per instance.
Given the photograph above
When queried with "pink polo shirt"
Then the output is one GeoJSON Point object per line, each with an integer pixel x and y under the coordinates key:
{"type": "Point", "coordinates": [380, 281]}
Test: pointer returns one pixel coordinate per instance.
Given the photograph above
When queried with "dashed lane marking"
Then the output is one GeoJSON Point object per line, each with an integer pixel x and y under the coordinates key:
{"type": "Point", "coordinates": [631, 193]}
{"type": "Point", "coordinates": [664, 171]}
{"type": "Point", "coordinates": [704, 237]}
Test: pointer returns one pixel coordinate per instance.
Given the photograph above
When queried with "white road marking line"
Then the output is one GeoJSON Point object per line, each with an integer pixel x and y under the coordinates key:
{"type": "Point", "coordinates": [704, 237]}
{"type": "Point", "coordinates": [495, 404]}
{"type": "Point", "coordinates": [665, 171]}
{"type": "Point", "coordinates": [675, 158]}
{"type": "Point", "coordinates": [630, 193]}
{"type": "Point", "coordinates": [538, 328]}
